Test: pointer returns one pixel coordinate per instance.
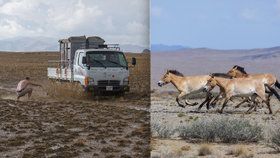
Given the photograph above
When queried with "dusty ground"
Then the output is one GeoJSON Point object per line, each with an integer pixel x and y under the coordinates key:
{"type": "Point", "coordinates": [166, 113]}
{"type": "Point", "coordinates": [71, 125]}
{"type": "Point", "coordinates": [180, 148]}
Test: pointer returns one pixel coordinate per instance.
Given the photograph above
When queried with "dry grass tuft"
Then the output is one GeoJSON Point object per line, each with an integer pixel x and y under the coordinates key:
{"type": "Point", "coordinates": [65, 90]}
{"type": "Point", "coordinates": [274, 140]}
{"type": "Point", "coordinates": [205, 149]}
{"type": "Point", "coordinates": [186, 148]}
{"type": "Point", "coordinates": [224, 130]}
{"type": "Point", "coordinates": [241, 151]}
{"type": "Point", "coordinates": [181, 114]}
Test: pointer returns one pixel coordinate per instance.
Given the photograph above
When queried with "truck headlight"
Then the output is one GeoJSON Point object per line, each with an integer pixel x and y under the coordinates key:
{"type": "Point", "coordinates": [125, 81]}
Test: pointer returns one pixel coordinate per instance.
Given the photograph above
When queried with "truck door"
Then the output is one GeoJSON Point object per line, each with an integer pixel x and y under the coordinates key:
{"type": "Point", "coordinates": [79, 69]}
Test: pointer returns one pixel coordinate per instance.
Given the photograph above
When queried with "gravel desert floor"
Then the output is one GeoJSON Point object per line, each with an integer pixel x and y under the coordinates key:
{"type": "Point", "coordinates": [58, 121]}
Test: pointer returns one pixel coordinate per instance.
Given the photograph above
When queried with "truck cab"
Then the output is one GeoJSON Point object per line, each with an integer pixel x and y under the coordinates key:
{"type": "Point", "coordinates": [101, 70]}
{"type": "Point", "coordinates": [97, 66]}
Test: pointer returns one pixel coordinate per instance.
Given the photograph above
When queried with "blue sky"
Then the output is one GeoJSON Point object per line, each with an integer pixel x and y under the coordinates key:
{"type": "Point", "coordinates": [220, 24]}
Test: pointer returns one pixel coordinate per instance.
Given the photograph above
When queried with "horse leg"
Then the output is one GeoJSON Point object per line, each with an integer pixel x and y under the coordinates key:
{"type": "Point", "coordinates": [268, 102]}
{"type": "Point", "coordinates": [213, 103]}
{"type": "Point", "coordinates": [179, 98]}
{"type": "Point", "coordinates": [269, 95]}
{"type": "Point", "coordinates": [244, 101]}
{"type": "Point", "coordinates": [210, 97]}
{"type": "Point", "coordinates": [224, 105]}
{"type": "Point", "coordinates": [189, 103]}
{"type": "Point", "coordinates": [207, 100]}
{"type": "Point", "coordinates": [201, 105]}
{"type": "Point", "coordinates": [253, 104]}
{"type": "Point", "coordinates": [265, 100]}
{"type": "Point", "coordinates": [271, 92]}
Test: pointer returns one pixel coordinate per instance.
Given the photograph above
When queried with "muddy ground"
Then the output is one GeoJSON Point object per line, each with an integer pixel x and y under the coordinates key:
{"type": "Point", "coordinates": [165, 113]}
{"type": "Point", "coordinates": [58, 122]}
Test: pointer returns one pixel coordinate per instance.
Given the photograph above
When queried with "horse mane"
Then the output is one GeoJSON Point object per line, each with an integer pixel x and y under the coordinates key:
{"type": "Point", "coordinates": [175, 72]}
{"type": "Point", "coordinates": [241, 69]}
{"type": "Point", "coordinates": [223, 75]}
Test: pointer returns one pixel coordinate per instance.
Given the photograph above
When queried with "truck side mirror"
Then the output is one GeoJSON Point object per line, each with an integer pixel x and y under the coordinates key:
{"type": "Point", "coordinates": [84, 60]}
{"type": "Point", "coordinates": [133, 61]}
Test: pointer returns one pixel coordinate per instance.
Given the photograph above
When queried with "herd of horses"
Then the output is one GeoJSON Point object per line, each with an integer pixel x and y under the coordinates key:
{"type": "Point", "coordinates": [252, 88]}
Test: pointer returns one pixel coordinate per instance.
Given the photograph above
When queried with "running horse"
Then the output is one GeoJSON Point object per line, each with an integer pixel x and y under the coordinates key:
{"type": "Point", "coordinates": [248, 87]}
{"type": "Point", "coordinates": [269, 80]}
{"type": "Point", "coordinates": [186, 85]}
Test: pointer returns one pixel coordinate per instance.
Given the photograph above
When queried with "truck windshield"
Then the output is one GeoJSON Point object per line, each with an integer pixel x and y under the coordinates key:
{"type": "Point", "coordinates": [106, 59]}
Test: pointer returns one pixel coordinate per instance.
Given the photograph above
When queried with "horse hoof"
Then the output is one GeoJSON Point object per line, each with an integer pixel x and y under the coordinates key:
{"type": "Point", "coordinates": [182, 106]}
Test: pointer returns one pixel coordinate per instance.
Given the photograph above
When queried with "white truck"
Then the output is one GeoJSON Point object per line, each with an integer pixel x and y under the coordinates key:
{"type": "Point", "coordinates": [97, 66]}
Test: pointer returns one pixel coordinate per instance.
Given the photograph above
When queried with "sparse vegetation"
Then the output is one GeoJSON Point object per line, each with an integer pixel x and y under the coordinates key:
{"type": "Point", "coordinates": [63, 90]}
{"type": "Point", "coordinates": [274, 140]}
{"type": "Point", "coordinates": [205, 149]}
{"type": "Point", "coordinates": [162, 131]}
{"type": "Point", "coordinates": [240, 151]}
{"type": "Point", "coordinates": [222, 130]}
{"type": "Point", "coordinates": [185, 148]}
{"type": "Point", "coordinates": [181, 114]}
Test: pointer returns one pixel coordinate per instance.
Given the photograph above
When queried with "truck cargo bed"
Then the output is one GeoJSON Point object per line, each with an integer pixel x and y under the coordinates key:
{"type": "Point", "coordinates": [60, 74]}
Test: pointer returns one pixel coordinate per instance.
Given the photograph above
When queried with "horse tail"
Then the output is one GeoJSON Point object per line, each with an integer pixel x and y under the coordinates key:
{"type": "Point", "coordinates": [277, 84]}
{"type": "Point", "coordinates": [273, 91]}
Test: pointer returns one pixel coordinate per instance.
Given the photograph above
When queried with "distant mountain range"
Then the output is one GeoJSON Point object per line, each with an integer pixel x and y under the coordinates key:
{"type": "Point", "coordinates": [48, 44]}
{"type": "Point", "coordinates": [166, 48]}
{"type": "Point", "coordinates": [252, 54]}
{"type": "Point", "coordinates": [132, 48]}
{"type": "Point", "coordinates": [29, 44]}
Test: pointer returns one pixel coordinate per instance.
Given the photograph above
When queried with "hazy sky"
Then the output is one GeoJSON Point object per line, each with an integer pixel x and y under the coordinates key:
{"type": "Point", "coordinates": [222, 24]}
{"type": "Point", "coordinates": [118, 21]}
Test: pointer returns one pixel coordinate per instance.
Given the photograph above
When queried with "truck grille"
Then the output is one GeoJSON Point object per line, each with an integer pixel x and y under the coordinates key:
{"type": "Point", "coordinates": [108, 83]}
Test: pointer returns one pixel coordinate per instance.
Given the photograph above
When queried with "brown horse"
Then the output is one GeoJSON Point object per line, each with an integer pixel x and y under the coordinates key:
{"type": "Point", "coordinates": [269, 80]}
{"type": "Point", "coordinates": [248, 87]}
{"type": "Point", "coordinates": [186, 85]}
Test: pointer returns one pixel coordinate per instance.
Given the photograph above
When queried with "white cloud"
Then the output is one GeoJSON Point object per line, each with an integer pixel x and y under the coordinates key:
{"type": "Point", "coordinates": [118, 20]}
{"type": "Point", "coordinates": [11, 28]}
{"type": "Point", "coordinates": [69, 19]}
